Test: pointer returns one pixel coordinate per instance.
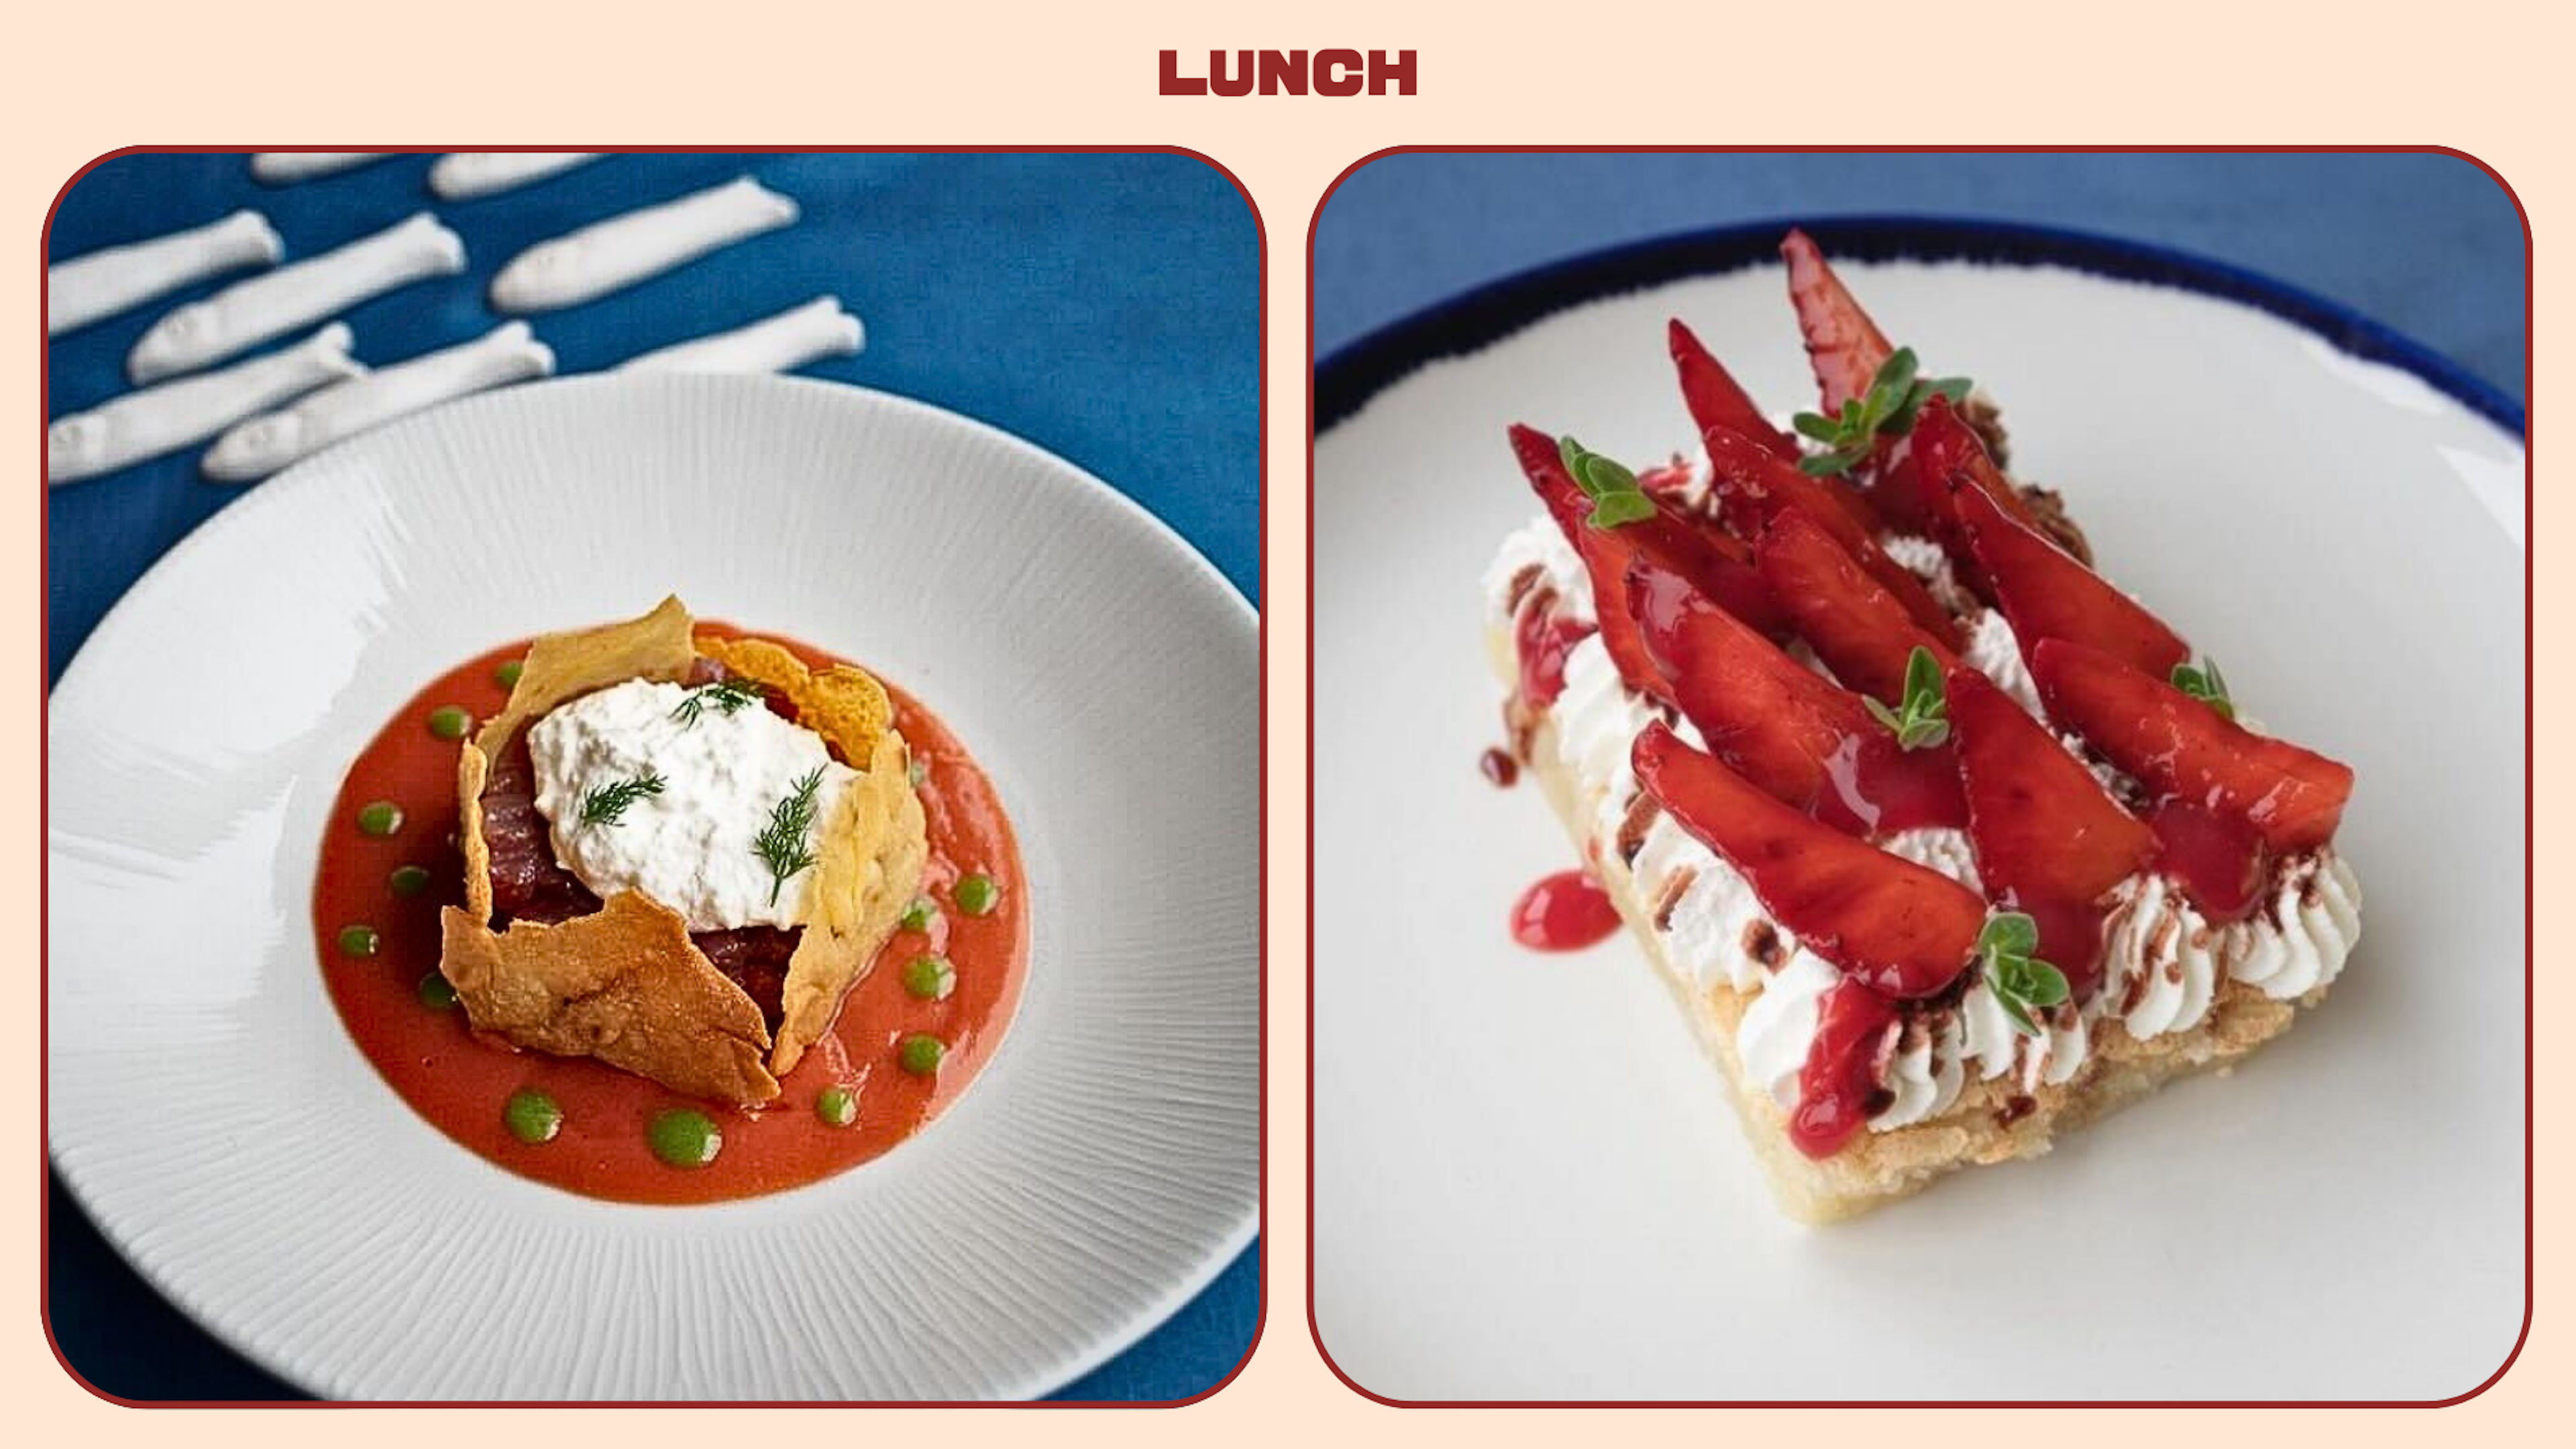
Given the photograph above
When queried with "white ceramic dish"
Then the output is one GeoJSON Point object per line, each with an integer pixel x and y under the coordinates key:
{"type": "Point", "coordinates": [209, 1111]}
{"type": "Point", "coordinates": [1529, 1185]}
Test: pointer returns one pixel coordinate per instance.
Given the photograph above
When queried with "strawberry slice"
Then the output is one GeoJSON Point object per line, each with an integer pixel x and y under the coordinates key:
{"type": "Point", "coordinates": [1888, 923]}
{"type": "Point", "coordinates": [1941, 451]}
{"type": "Point", "coordinates": [1753, 486]}
{"type": "Point", "coordinates": [1844, 347]}
{"type": "Point", "coordinates": [1716, 400]}
{"type": "Point", "coordinates": [2184, 750]}
{"type": "Point", "coordinates": [1838, 1086]}
{"type": "Point", "coordinates": [1858, 628]}
{"type": "Point", "coordinates": [2047, 594]}
{"type": "Point", "coordinates": [1693, 553]}
{"type": "Point", "coordinates": [1807, 742]}
{"type": "Point", "coordinates": [2050, 841]}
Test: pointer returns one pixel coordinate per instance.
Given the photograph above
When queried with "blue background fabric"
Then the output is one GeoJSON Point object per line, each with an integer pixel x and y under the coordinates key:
{"type": "Point", "coordinates": [2428, 244]}
{"type": "Point", "coordinates": [1105, 307]}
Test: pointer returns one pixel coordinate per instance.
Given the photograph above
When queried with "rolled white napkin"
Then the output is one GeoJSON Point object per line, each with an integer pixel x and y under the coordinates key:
{"type": "Point", "coordinates": [625, 249]}
{"type": "Point", "coordinates": [156, 420]}
{"type": "Point", "coordinates": [281, 168]}
{"type": "Point", "coordinates": [259, 447]}
{"type": "Point", "coordinates": [790, 339]}
{"type": "Point", "coordinates": [104, 283]}
{"type": "Point", "coordinates": [464, 175]}
{"type": "Point", "coordinates": [250, 312]}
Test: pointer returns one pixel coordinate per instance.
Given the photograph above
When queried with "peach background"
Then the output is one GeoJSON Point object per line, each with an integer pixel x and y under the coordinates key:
{"type": "Point", "coordinates": [75, 82]}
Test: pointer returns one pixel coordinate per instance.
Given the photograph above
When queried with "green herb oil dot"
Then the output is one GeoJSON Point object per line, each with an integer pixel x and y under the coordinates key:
{"type": "Point", "coordinates": [837, 1106]}
{"type": "Point", "coordinates": [379, 817]}
{"type": "Point", "coordinates": [920, 914]}
{"type": "Point", "coordinates": [929, 978]}
{"type": "Point", "coordinates": [532, 1116]}
{"type": "Point", "coordinates": [408, 880]}
{"type": "Point", "coordinates": [921, 1054]}
{"type": "Point", "coordinates": [357, 940]}
{"type": "Point", "coordinates": [685, 1137]}
{"type": "Point", "coordinates": [977, 895]}
{"type": "Point", "coordinates": [508, 674]}
{"type": "Point", "coordinates": [448, 722]}
{"type": "Point", "coordinates": [435, 993]}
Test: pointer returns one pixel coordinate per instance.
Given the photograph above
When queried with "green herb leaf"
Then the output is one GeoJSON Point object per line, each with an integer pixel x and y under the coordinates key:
{"type": "Point", "coordinates": [782, 844]}
{"type": "Point", "coordinates": [1921, 718]}
{"type": "Point", "coordinates": [1886, 410]}
{"type": "Point", "coordinates": [2020, 982]}
{"type": "Point", "coordinates": [2204, 683]}
{"type": "Point", "coordinates": [729, 696]}
{"type": "Point", "coordinates": [1612, 487]}
{"type": "Point", "coordinates": [607, 804]}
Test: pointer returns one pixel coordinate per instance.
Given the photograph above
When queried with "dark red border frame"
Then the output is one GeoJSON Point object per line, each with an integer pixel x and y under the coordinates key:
{"type": "Point", "coordinates": [44, 1212]}
{"type": "Point", "coordinates": [1315, 1329]}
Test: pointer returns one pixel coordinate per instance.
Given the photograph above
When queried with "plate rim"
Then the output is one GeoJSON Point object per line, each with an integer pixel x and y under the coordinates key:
{"type": "Point", "coordinates": [1472, 319]}
{"type": "Point", "coordinates": [307, 475]}
{"type": "Point", "coordinates": [1477, 317]}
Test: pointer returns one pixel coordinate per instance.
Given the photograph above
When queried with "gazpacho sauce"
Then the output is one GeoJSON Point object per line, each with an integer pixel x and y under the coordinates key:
{"type": "Point", "coordinates": [603, 1145]}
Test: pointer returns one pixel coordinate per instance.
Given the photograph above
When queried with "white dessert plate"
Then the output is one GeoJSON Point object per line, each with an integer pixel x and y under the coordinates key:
{"type": "Point", "coordinates": [1529, 1185]}
{"type": "Point", "coordinates": [207, 1108]}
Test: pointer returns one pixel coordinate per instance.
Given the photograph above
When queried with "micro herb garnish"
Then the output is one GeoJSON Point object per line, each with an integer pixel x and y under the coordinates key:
{"type": "Point", "coordinates": [2203, 682]}
{"type": "Point", "coordinates": [1886, 411]}
{"type": "Point", "coordinates": [781, 844]}
{"type": "Point", "coordinates": [2020, 981]}
{"type": "Point", "coordinates": [607, 804]}
{"type": "Point", "coordinates": [729, 696]}
{"type": "Point", "coordinates": [1616, 498]}
{"type": "Point", "coordinates": [1922, 718]}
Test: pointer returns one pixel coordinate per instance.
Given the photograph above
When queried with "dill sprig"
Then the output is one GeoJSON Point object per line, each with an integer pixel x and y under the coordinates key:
{"type": "Point", "coordinates": [606, 805]}
{"type": "Point", "coordinates": [782, 844]}
{"type": "Point", "coordinates": [729, 696]}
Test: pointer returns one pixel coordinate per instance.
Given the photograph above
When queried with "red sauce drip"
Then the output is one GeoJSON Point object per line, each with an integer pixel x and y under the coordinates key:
{"type": "Point", "coordinates": [1500, 767]}
{"type": "Point", "coordinates": [460, 1083]}
{"type": "Point", "coordinates": [1564, 912]}
{"type": "Point", "coordinates": [1838, 1087]}
{"type": "Point", "coordinates": [1544, 637]}
{"type": "Point", "coordinates": [2219, 862]}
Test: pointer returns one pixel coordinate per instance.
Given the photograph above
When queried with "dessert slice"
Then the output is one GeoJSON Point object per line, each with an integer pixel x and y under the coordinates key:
{"type": "Point", "coordinates": [1941, 840]}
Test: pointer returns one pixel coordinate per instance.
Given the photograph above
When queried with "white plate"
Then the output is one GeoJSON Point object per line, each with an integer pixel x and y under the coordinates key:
{"type": "Point", "coordinates": [1529, 1185]}
{"type": "Point", "coordinates": [208, 1109]}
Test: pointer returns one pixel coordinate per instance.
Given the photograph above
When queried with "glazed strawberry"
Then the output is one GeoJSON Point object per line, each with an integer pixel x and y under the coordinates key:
{"type": "Point", "coordinates": [2049, 841]}
{"type": "Point", "coordinates": [1752, 486]}
{"type": "Point", "coordinates": [1809, 743]}
{"type": "Point", "coordinates": [1713, 563]}
{"type": "Point", "coordinates": [2183, 749]}
{"type": "Point", "coordinates": [1941, 451]}
{"type": "Point", "coordinates": [1844, 347]}
{"type": "Point", "coordinates": [1888, 923]}
{"type": "Point", "coordinates": [1838, 1086]}
{"type": "Point", "coordinates": [2047, 594]}
{"type": "Point", "coordinates": [1858, 628]}
{"type": "Point", "coordinates": [1716, 400]}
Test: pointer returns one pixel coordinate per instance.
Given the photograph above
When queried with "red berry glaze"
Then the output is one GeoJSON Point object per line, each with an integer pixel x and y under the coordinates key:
{"type": "Point", "coordinates": [1838, 1087]}
{"type": "Point", "coordinates": [1887, 922]}
{"type": "Point", "coordinates": [2050, 842]}
{"type": "Point", "coordinates": [1858, 628]}
{"type": "Point", "coordinates": [1566, 911]}
{"type": "Point", "coordinates": [1795, 734]}
{"type": "Point", "coordinates": [2183, 750]}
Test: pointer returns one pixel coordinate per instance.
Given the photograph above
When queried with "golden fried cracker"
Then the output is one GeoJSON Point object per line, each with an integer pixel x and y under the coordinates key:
{"type": "Point", "coordinates": [844, 704]}
{"type": "Point", "coordinates": [869, 860]}
{"type": "Point", "coordinates": [623, 985]}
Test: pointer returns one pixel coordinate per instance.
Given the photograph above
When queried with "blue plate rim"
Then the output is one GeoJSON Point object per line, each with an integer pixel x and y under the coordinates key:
{"type": "Point", "coordinates": [1358, 371]}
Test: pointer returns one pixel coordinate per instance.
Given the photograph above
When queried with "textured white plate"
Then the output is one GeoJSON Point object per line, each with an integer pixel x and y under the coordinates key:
{"type": "Point", "coordinates": [1528, 1183]}
{"type": "Point", "coordinates": [210, 1112]}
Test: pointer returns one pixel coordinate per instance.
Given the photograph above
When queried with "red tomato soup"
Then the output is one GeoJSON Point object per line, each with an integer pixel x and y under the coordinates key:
{"type": "Point", "coordinates": [394, 1006]}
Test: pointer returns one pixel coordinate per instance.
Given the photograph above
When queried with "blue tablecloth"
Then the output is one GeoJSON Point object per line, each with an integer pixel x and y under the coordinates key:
{"type": "Point", "coordinates": [2427, 244]}
{"type": "Point", "coordinates": [1107, 308]}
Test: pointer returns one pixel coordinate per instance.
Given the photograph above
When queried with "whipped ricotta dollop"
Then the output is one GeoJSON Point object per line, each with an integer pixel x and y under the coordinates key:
{"type": "Point", "coordinates": [2163, 961]}
{"type": "Point", "coordinates": [690, 846]}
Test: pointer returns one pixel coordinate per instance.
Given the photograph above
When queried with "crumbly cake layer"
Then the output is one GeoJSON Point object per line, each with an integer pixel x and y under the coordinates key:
{"type": "Point", "coordinates": [1992, 1121]}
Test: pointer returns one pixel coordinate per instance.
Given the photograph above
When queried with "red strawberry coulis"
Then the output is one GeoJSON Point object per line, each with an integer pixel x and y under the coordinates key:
{"type": "Point", "coordinates": [1566, 911]}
